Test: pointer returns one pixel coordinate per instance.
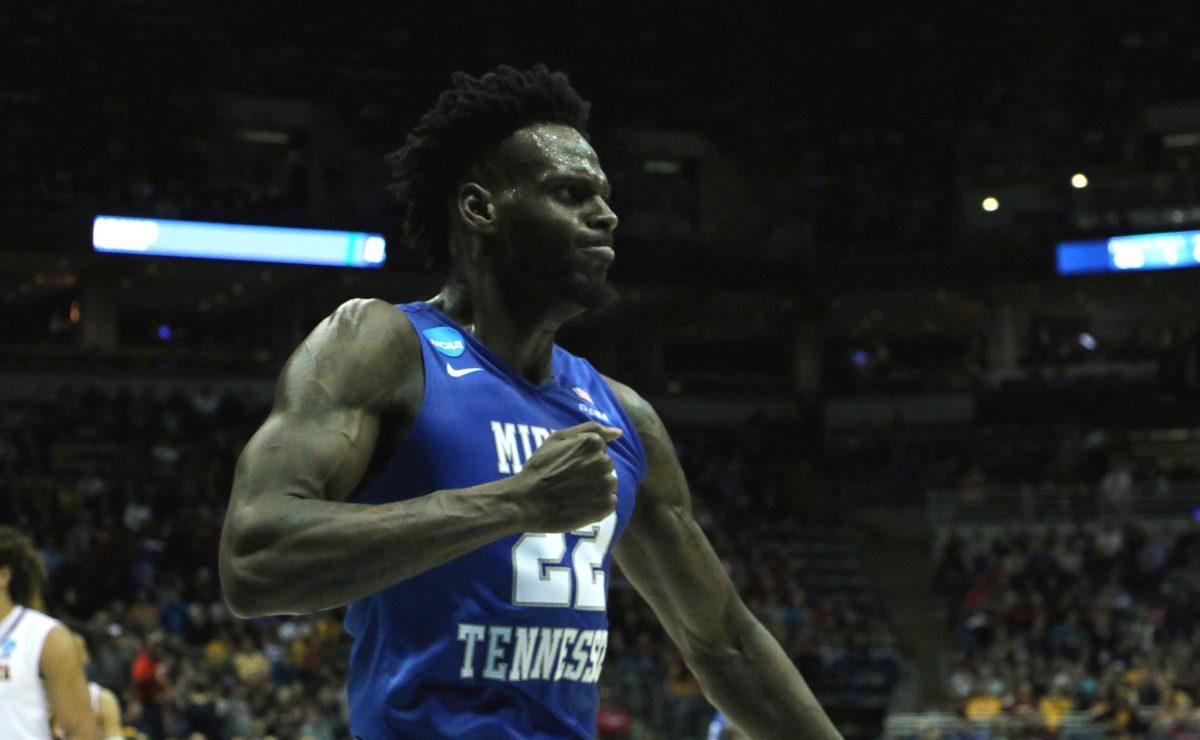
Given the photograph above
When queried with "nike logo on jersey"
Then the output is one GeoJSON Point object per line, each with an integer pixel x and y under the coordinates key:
{"type": "Point", "coordinates": [459, 373]}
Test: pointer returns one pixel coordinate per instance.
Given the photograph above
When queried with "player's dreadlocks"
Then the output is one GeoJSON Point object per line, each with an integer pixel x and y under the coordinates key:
{"type": "Point", "coordinates": [28, 570]}
{"type": "Point", "coordinates": [475, 114]}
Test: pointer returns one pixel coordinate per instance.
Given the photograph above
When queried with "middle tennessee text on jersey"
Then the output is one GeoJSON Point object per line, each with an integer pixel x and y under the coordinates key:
{"type": "Point", "coordinates": [507, 641]}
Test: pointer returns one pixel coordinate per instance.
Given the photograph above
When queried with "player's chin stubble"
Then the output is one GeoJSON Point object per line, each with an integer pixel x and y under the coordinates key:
{"type": "Point", "coordinates": [543, 276]}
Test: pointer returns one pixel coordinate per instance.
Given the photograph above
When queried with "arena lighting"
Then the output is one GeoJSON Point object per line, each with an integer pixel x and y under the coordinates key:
{"type": "Point", "coordinates": [160, 237]}
{"type": "Point", "coordinates": [662, 167]}
{"type": "Point", "coordinates": [1132, 253]}
{"type": "Point", "coordinates": [1079, 181]}
{"type": "Point", "coordinates": [990, 204]}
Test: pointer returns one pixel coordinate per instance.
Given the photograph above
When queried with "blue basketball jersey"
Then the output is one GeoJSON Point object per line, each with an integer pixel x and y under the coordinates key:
{"type": "Point", "coordinates": [506, 641]}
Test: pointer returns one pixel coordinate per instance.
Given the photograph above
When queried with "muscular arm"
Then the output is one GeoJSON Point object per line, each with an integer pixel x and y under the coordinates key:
{"type": "Point", "coordinates": [290, 543]}
{"type": "Point", "coordinates": [667, 557]}
{"type": "Point", "coordinates": [66, 687]}
{"type": "Point", "coordinates": [110, 715]}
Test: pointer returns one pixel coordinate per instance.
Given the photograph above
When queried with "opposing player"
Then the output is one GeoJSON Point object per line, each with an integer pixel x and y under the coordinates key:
{"type": "Point", "coordinates": [105, 706]}
{"type": "Point", "coordinates": [40, 670]}
{"type": "Point", "coordinates": [463, 482]}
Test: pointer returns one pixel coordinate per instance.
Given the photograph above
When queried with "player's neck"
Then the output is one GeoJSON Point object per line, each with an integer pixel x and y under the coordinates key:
{"type": "Point", "coordinates": [6, 606]}
{"type": "Point", "coordinates": [520, 334]}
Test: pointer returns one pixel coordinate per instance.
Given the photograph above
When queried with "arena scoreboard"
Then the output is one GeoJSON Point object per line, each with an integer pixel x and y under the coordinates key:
{"type": "Point", "coordinates": [162, 237]}
{"type": "Point", "coordinates": [1136, 252]}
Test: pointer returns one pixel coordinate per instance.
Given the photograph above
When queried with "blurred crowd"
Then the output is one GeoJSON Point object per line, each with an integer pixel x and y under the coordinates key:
{"type": "Point", "coordinates": [124, 495]}
{"type": "Point", "coordinates": [979, 464]}
{"type": "Point", "coordinates": [1098, 619]}
{"type": "Point", "coordinates": [797, 573]}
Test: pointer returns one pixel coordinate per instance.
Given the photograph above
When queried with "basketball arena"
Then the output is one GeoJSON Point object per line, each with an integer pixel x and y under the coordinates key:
{"type": "Point", "coordinates": [871, 402]}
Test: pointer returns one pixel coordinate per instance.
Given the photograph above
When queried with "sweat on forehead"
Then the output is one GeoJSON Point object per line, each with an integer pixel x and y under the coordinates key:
{"type": "Point", "coordinates": [533, 150]}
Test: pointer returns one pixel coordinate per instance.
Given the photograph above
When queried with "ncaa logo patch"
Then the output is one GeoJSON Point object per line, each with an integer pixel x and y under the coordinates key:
{"type": "Point", "coordinates": [7, 650]}
{"type": "Point", "coordinates": [446, 340]}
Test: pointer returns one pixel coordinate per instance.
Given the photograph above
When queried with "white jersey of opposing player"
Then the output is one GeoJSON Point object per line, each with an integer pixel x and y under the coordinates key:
{"type": "Point", "coordinates": [94, 690]}
{"type": "Point", "coordinates": [24, 708]}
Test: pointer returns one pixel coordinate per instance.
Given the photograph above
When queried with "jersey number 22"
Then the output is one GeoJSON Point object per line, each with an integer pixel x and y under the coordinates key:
{"type": "Point", "coordinates": [539, 578]}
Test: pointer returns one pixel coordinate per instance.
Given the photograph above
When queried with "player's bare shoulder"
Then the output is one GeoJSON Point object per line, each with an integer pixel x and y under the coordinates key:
{"type": "Point", "coordinates": [664, 481]}
{"type": "Point", "coordinates": [365, 354]}
{"type": "Point", "coordinates": [641, 413]}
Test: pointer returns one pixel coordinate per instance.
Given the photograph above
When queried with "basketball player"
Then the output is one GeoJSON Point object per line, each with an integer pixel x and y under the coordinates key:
{"type": "Point", "coordinates": [40, 670]}
{"type": "Point", "coordinates": [105, 706]}
{"type": "Point", "coordinates": [462, 482]}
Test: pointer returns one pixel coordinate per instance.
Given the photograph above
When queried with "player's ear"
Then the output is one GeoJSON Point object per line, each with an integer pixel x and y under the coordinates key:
{"type": "Point", "coordinates": [476, 208]}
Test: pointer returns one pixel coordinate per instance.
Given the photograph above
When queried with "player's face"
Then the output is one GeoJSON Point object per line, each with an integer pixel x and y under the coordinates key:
{"type": "Point", "coordinates": [555, 228]}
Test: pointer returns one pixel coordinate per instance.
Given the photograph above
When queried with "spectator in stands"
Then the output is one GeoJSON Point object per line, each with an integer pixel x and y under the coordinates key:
{"type": "Point", "coordinates": [1114, 638]}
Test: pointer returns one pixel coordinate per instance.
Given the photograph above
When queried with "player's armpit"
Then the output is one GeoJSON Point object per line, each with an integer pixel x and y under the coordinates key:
{"type": "Point", "coordinates": [66, 687]}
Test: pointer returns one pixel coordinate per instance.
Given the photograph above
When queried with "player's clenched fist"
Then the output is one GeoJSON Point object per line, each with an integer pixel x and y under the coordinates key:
{"type": "Point", "coordinates": [569, 482]}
